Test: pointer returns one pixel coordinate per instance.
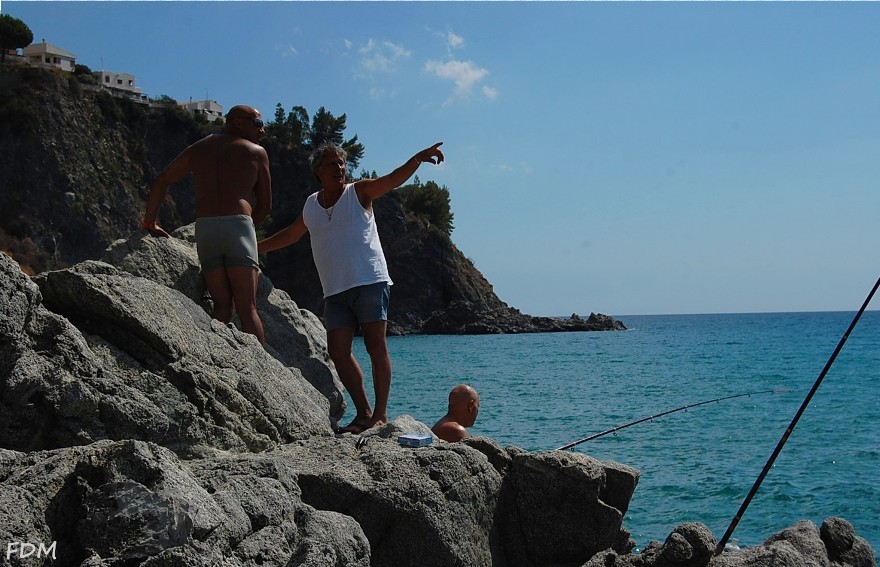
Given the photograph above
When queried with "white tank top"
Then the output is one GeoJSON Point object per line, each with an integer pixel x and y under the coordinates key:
{"type": "Point", "coordinates": [345, 243]}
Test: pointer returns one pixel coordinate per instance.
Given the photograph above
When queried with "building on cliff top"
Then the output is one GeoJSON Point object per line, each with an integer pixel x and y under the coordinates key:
{"type": "Point", "coordinates": [120, 84]}
{"type": "Point", "coordinates": [49, 56]}
{"type": "Point", "coordinates": [210, 109]}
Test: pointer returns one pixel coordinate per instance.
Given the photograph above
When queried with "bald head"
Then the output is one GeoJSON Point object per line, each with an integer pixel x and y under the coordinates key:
{"type": "Point", "coordinates": [462, 394]}
{"type": "Point", "coordinates": [464, 404]}
{"type": "Point", "coordinates": [245, 121]}
{"type": "Point", "coordinates": [241, 111]}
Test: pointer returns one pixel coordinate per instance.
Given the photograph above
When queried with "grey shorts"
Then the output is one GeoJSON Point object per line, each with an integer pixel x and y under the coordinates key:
{"type": "Point", "coordinates": [362, 304]}
{"type": "Point", "coordinates": [226, 242]}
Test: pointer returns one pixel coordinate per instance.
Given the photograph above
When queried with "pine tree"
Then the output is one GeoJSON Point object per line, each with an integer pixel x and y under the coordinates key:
{"type": "Point", "coordinates": [14, 33]}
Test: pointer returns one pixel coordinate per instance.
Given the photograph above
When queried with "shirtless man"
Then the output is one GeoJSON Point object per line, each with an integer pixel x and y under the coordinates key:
{"type": "Point", "coordinates": [230, 171]}
{"type": "Point", "coordinates": [464, 405]}
{"type": "Point", "coordinates": [352, 269]}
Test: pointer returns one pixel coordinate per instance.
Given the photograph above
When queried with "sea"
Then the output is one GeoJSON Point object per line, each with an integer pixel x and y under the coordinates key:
{"type": "Point", "coordinates": [699, 404]}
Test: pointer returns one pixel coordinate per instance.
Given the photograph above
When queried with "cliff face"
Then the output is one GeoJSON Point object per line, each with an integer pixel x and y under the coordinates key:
{"type": "Point", "coordinates": [76, 166]}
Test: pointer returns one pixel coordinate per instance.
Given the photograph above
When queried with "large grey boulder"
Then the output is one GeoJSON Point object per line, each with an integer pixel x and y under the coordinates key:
{"type": "Point", "coordinates": [543, 491]}
{"type": "Point", "coordinates": [294, 336]}
{"type": "Point", "coordinates": [132, 503]}
{"type": "Point", "coordinates": [431, 506]}
{"type": "Point", "coordinates": [97, 353]}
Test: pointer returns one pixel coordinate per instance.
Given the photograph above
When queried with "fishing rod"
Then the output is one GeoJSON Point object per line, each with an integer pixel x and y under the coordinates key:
{"type": "Point", "coordinates": [720, 547]}
{"type": "Point", "coordinates": [652, 417]}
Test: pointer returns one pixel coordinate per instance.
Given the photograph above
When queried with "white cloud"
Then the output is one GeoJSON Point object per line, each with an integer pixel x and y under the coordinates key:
{"type": "Point", "coordinates": [465, 74]}
{"type": "Point", "coordinates": [454, 41]}
{"type": "Point", "coordinates": [381, 57]}
{"type": "Point", "coordinates": [450, 38]}
{"type": "Point", "coordinates": [377, 93]}
{"type": "Point", "coordinates": [397, 51]}
{"type": "Point", "coordinates": [286, 50]}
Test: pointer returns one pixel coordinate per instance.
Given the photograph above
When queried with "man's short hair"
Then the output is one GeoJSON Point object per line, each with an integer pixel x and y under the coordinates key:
{"type": "Point", "coordinates": [318, 155]}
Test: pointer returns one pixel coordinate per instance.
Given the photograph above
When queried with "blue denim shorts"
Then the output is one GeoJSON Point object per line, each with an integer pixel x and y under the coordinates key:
{"type": "Point", "coordinates": [361, 304]}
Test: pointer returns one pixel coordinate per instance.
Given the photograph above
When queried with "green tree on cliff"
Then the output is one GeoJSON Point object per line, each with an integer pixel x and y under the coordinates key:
{"type": "Point", "coordinates": [296, 130]}
{"type": "Point", "coordinates": [298, 125]}
{"type": "Point", "coordinates": [428, 201]}
{"type": "Point", "coordinates": [277, 129]}
{"type": "Point", "coordinates": [14, 33]}
{"type": "Point", "coordinates": [84, 75]}
{"type": "Point", "coordinates": [329, 128]}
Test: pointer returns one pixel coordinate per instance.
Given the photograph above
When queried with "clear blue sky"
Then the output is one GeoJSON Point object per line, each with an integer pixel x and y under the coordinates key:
{"type": "Point", "coordinates": [623, 158]}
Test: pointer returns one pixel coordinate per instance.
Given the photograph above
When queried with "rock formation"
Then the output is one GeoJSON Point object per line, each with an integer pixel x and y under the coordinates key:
{"type": "Point", "coordinates": [135, 430]}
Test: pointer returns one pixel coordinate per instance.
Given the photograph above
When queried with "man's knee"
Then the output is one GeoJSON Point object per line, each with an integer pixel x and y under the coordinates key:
{"type": "Point", "coordinates": [338, 352]}
{"type": "Point", "coordinates": [339, 343]}
{"type": "Point", "coordinates": [374, 338]}
{"type": "Point", "coordinates": [244, 283]}
{"type": "Point", "coordinates": [377, 347]}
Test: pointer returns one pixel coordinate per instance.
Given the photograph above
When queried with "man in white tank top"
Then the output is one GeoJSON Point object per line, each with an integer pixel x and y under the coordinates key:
{"type": "Point", "coordinates": [352, 268]}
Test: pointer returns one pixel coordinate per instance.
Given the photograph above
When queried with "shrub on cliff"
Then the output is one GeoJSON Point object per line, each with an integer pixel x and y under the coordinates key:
{"type": "Point", "coordinates": [31, 258]}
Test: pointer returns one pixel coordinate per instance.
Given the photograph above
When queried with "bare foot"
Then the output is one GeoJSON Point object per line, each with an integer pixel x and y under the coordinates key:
{"type": "Point", "coordinates": [354, 427]}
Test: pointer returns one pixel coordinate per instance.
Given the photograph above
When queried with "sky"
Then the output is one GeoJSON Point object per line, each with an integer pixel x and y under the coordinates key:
{"type": "Point", "coordinates": [621, 158]}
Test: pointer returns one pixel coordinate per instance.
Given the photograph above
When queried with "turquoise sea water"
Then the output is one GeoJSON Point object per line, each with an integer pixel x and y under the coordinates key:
{"type": "Point", "coordinates": [542, 391]}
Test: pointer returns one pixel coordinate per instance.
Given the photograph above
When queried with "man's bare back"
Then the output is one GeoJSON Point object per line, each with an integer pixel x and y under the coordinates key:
{"type": "Point", "coordinates": [232, 182]}
{"type": "Point", "coordinates": [226, 170]}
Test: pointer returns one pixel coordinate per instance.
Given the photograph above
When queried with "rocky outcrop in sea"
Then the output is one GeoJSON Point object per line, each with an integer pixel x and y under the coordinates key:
{"type": "Point", "coordinates": [136, 430]}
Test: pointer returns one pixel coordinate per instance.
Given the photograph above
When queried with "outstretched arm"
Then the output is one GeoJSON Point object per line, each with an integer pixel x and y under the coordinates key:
{"type": "Point", "coordinates": [284, 237]}
{"type": "Point", "coordinates": [370, 189]}
{"type": "Point", "coordinates": [174, 172]}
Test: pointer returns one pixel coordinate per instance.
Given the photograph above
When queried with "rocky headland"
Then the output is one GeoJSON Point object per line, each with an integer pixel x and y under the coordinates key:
{"type": "Point", "coordinates": [136, 430]}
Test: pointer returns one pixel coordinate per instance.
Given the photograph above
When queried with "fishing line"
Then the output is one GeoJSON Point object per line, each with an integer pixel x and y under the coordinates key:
{"type": "Point", "coordinates": [652, 417]}
{"type": "Point", "coordinates": [720, 547]}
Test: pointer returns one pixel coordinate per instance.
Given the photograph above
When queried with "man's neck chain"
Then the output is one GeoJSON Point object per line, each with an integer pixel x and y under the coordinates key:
{"type": "Point", "coordinates": [328, 210]}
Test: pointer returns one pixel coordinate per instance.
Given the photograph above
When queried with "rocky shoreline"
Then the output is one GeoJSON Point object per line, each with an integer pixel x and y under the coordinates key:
{"type": "Point", "coordinates": [135, 430]}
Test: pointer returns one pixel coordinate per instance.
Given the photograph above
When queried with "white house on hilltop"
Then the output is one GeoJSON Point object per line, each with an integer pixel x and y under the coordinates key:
{"type": "Point", "coordinates": [121, 84]}
{"type": "Point", "coordinates": [50, 56]}
{"type": "Point", "coordinates": [210, 109]}
{"type": "Point", "coordinates": [47, 55]}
